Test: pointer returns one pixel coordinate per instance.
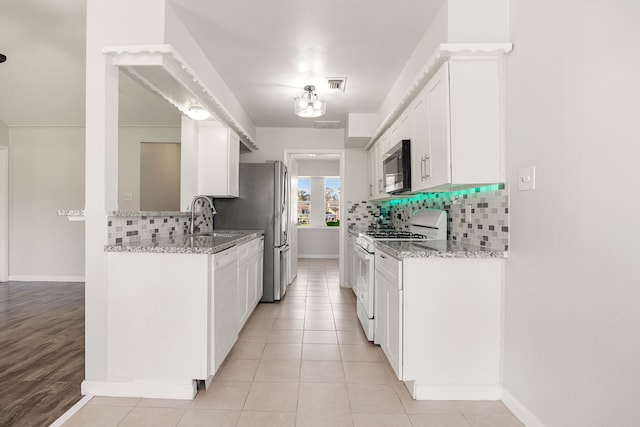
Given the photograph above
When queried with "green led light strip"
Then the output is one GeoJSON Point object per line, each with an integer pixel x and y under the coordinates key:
{"type": "Point", "coordinates": [444, 195]}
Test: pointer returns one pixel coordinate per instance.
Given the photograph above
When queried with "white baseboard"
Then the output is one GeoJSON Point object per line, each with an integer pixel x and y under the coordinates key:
{"type": "Point", "coordinates": [519, 410]}
{"type": "Point", "coordinates": [318, 256]}
{"type": "Point", "coordinates": [183, 391]}
{"type": "Point", "coordinates": [71, 411]}
{"type": "Point", "coordinates": [471, 392]}
{"type": "Point", "coordinates": [17, 278]}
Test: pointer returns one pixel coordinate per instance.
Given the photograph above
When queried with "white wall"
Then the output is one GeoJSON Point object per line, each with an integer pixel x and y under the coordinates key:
{"type": "Point", "coordinates": [46, 174]}
{"type": "Point", "coordinates": [436, 34]}
{"type": "Point", "coordinates": [273, 142]}
{"type": "Point", "coordinates": [4, 134]}
{"type": "Point", "coordinates": [318, 242]}
{"type": "Point", "coordinates": [319, 167]}
{"type": "Point", "coordinates": [129, 141]}
{"type": "Point", "coordinates": [572, 278]}
{"type": "Point", "coordinates": [457, 21]}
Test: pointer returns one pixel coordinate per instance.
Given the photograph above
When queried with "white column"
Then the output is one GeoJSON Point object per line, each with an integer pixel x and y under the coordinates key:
{"type": "Point", "coordinates": [317, 202]}
{"type": "Point", "coordinates": [101, 185]}
{"type": "Point", "coordinates": [109, 22]}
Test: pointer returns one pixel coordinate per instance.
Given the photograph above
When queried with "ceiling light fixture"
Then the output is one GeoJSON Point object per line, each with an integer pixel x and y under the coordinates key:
{"type": "Point", "coordinates": [308, 104]}
{"type": "Point", "coordinates": [196, 112]}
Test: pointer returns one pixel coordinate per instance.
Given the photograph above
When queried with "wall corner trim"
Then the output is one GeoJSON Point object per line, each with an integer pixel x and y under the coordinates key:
{"type": "Point", "coordinates": [519, 410]}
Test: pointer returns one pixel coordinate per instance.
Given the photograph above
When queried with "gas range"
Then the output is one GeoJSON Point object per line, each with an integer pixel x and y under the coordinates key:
{"type": "Point", "coordinates": [393, 234]}
{"type": "Point", "coordinates": [367, 239]}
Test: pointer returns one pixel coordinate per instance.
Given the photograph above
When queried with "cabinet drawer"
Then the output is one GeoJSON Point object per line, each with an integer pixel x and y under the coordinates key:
{"type": "Point", "coordinates": [247, 250]}
{"type": "Point", "coordinates": [389, 267]}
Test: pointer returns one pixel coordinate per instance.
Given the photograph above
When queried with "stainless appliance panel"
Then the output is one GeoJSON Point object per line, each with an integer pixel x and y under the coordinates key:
{"type": "Point", "coordinates": [397, 168]}
{"type": "Point", "coordinates": [259, 207]}
{"type": "Point", "coordinates": [281, 257]}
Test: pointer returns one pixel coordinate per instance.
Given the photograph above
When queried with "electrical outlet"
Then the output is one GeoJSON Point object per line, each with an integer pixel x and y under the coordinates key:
{"type": "Point", "coordinates": [128, 196]}
{"type": "Point", "coordinates": [527, 179]}
{"type": "Point", "coordinates": [467, 213]}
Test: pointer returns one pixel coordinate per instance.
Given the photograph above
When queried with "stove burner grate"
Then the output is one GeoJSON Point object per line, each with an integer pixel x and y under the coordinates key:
{"type": "Point", "coordinates": [394, 234]}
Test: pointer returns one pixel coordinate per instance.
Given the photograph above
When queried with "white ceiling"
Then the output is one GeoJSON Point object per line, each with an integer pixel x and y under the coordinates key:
{"type": "Point", "coordinates": [266, 51]}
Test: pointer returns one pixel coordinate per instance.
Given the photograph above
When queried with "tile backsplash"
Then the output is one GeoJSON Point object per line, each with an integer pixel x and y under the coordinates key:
{"type": "Point", "coordinates": [128, 227]}
{"type": "Point", "coordinates": [488, 206]}
{"type": "Point", "coordinates": [361, 214]}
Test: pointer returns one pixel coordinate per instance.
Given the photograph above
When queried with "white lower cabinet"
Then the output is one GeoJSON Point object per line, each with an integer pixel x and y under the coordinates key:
{"type": "Point", "coordinates": [439, 323]}
{"type": "Point", "coordinates": [249, 290]}
{"type": "Point", "coordinates": [223, 294]}
{"type": "Point", "coordinates": [388, 309]}
{"type": "Point", "coordinates": [173, 318]}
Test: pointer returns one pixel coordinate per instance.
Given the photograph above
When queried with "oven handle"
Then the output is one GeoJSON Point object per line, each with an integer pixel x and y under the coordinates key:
{"type": "Point", "coordinates": [362, 253]}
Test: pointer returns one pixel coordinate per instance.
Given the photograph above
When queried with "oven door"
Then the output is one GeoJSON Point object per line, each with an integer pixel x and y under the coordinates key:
{"type": "Point", "coordinates": [364, 280]}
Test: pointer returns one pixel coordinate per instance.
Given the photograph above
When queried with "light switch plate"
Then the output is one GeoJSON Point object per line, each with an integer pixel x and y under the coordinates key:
{"type": "Point", "coordinates": [527, 179]}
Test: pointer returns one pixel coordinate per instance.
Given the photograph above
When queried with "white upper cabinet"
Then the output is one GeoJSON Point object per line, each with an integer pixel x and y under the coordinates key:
{"type": "Point", "coordinates": [376, 178]}
{"type": "Point", "coordinates": [430, 148]}
{"type": "Point", "coordinates": [218, 160]}
{"type": "Point", "coordinates": [399, 130]}
{"type": "Point", "coordinates": [457, 126]}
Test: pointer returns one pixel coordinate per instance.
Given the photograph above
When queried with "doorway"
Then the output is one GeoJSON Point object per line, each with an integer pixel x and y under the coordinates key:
{"type": "Point", "coordinates": [159, 176]}
{"type": "Point", "coordinates": [293, 159]}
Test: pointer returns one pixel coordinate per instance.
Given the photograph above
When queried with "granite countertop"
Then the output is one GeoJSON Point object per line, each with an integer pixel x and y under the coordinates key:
{"type": "Point", "coordinates": [80, 213]}
{"type": "Point", "coordinates": [148, 213]}
{"type": "Point", "coordinates": [204, 243]}
{"type": "Point", "coordinates": [436, 249]}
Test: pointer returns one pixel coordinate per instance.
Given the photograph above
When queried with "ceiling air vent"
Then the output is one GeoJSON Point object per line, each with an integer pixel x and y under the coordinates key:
{"type": "Point", "coordinates": [327, 124]}
{"type": "Point", "coordinates": [337, 83]}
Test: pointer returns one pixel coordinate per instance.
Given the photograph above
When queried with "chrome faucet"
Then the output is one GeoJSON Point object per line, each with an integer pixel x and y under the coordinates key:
{"type": "Point", "coordinates": [193, 210]}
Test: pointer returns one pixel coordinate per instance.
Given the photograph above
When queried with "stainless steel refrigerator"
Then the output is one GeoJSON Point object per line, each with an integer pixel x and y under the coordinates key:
{"type": "Point", "coordinates": [263, 205]}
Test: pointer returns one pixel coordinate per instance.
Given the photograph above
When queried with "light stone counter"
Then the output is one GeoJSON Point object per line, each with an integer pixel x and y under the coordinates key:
{"type": "Point", "coordinates": [149, 214]}
{"type": "Point", "coordinates": [206, 243]}
{"type": "Point", "coordinates": [436, 249]}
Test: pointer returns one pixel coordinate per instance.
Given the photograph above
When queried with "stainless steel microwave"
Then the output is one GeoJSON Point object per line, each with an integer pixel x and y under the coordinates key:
{"type": "Point", "coordinates": [397, 168]}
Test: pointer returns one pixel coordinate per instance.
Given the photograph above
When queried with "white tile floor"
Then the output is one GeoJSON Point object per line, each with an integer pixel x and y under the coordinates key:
{"type": "Point", "coordinates": [301, 362]}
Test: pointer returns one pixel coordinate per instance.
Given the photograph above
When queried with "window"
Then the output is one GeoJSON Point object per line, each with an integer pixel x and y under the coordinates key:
{"type": "Point", "coordinates": [304, 201]}
{"type": "Point", "coordinates": [314, 209]}
{"type": "Point", "coordinates": [332, 201]}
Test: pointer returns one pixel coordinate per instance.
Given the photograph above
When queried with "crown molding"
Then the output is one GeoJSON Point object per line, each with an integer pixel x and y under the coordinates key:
{"type": "Point", "coordinates": [444, 52]}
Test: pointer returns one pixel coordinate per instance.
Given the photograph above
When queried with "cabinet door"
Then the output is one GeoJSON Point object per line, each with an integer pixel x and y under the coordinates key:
{"type": "Point", "coordinates": [376, 180]}
{"type": "Point", "coordinates": [388, 321]}
{"type": "Point", "coordinates": [224, 328]}
{"type": "Point", "coordinates": [371, 163]}
{"type": "Point", "coordinates": [420, 144]}
{"type": "Point", "coordinates": [400, 129]}
{"type": "Point", "coordinates": [253, 291]}
{"type": "Point", "coordinates": [218, 157]}
{"type": "Point", "coordinates": [244, 281]}
{"type": "Point", "coordinates": [234, 164]}
{"type": "Point", "coordinates": [430, 129]}
{"type": "Point", "coordinates": [381, 322]}
{"type": "Point", "coordinates": [438, 165]}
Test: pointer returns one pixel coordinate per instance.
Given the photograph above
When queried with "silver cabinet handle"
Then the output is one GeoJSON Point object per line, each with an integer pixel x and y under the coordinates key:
{"type": "Point", "coordinates": [427, 168]}
{"type": "Point", "coordinates": [423, 165]}
{"type": "Point", "coordinates": [370, 190]}
{"type": "Point", "coordinates": [380, 185]}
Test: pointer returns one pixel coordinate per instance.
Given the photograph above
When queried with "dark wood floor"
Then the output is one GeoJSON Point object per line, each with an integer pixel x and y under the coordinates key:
{"type": "Point", "coordinates": [41, 351]}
